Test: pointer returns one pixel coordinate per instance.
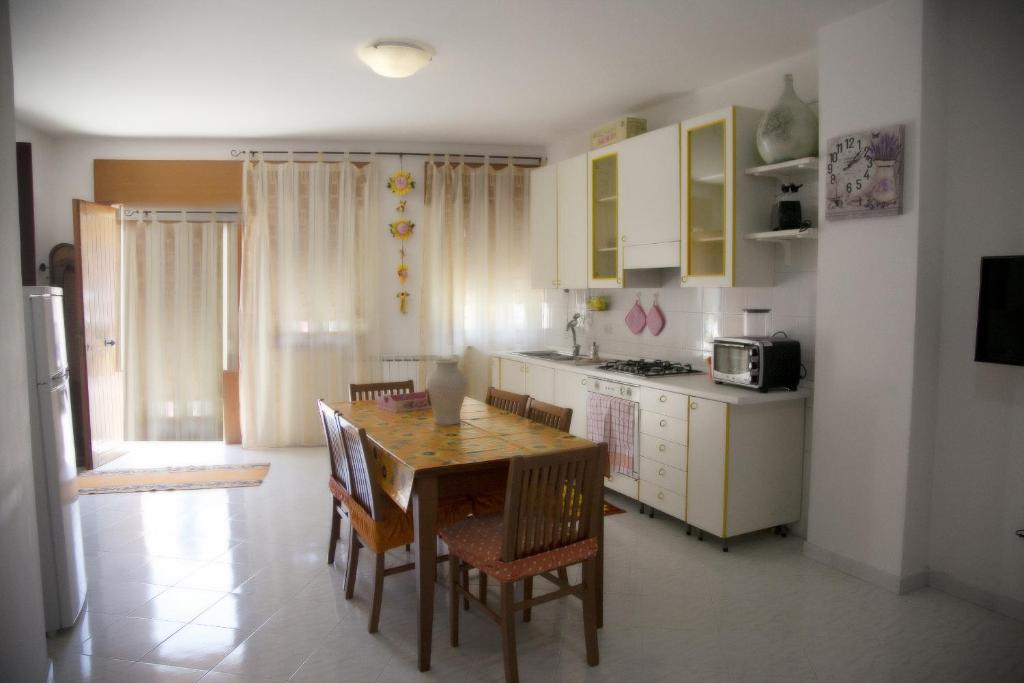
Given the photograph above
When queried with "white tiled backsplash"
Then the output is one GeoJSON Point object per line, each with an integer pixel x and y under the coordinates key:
{"type": "Point", "coordinates": [693, 315]}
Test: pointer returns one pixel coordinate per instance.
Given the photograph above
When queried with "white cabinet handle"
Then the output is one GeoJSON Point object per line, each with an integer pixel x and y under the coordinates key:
{"type": "Point", "coordinates": [623, 238]}
{"type": "Point", "coordinates": [662, 398]}
{"type": "Point", "coordinates": [661, 471]}
{"type": "Point", "coordinates": [661, 447]}
{"type": "Point", "coordinates": [661, 495]}
{"type": "Point", "coordinates": [583, 382]}
{"type": "Point", "coordinates": [693, 406]}
{"type": "Point", "coordinates": [662, 423]}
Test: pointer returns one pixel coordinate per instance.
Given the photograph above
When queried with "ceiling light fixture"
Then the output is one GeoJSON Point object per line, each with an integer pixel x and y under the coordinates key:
{"type": "Point", "coordinates": [395, 59]}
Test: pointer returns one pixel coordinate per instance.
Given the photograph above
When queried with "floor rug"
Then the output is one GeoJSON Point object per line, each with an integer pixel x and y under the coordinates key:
{"type": "Point", "coordinates": [610, 509]}
{"type": "Point", "coordinates": [172, 478]}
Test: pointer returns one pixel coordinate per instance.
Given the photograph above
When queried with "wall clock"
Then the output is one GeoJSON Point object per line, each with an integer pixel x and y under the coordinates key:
{"type": "Point", "coordinates": [864, 174]}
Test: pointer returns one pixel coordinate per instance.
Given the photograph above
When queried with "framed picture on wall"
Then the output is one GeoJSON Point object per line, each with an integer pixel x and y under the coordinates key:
{"type": "Point", "coordinates": [864, 174]}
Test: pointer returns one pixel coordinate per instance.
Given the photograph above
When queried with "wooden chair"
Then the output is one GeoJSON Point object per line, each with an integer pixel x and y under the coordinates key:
{"type": "Point", "coordinates": [339, 481]}
{"type": "Point", "coordinates": [507, 401]}
{"type": "Point", "coordinates": [370, 392]}
{"type": "Point", "coordinates": [552, 514]}
{"type": "Point", "coordinates": [376, 522]}
{"type": "Point", "coordinates": [548, 414]}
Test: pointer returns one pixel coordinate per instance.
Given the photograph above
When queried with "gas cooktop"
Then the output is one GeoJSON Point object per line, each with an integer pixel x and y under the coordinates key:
{"type": "Point", "coordinates": [649, 368]}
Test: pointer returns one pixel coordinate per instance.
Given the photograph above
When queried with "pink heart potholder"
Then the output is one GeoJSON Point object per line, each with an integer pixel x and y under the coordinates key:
{"type": "Point", "coordinates": [655, 319]}
{"type": "Point", "coordinates": [636, 319]}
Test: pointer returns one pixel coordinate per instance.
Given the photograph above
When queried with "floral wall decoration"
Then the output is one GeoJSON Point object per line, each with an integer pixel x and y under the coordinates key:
{"type": "Point", "coordinates": [400, 183]}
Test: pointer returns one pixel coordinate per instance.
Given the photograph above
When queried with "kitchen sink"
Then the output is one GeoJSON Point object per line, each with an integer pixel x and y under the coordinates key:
{"type": "Point", "coordinates": [559, 357]}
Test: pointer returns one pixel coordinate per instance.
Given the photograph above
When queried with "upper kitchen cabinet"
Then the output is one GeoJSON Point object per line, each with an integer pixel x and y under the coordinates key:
{"type": "Point", "coordinates": [605, 260]}
{"type": "Point", "coordinates": [719, 206]}
{"type": "Point", "coordinates": [649, 199]}
{"type": "Point", "coordinates": [558, 225]}
{"type": "Point", "coordinates": [544, 227]}
{"type": "Point", "coordinates": [634, 207]}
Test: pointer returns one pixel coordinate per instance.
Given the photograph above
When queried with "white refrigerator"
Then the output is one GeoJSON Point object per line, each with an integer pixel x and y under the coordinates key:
{"type": "Point", "coordinates": [53, 454]}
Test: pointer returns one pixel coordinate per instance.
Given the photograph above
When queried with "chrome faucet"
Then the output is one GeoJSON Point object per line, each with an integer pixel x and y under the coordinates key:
{"type": "Point", "coordinates": [571, 327]}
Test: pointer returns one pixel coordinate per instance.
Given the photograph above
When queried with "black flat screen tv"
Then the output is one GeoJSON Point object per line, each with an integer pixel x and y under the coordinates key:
{"type": "Point", "coordinates": [1000, 337]}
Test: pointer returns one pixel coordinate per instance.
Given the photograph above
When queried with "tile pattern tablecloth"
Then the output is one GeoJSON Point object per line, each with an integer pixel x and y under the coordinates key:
{"type": "Point", "coordinates": [413, 443]}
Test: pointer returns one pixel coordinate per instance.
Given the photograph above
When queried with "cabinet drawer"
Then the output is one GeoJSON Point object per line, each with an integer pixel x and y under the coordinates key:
{"type": "Point", "coordinates": [623, 484]}
{"type": "Point", "coordinates": [663, 499]}
{"type": "Point", "coordinates": [663, 426]}
{"type": "Point", "coordinates": [664, 402]}
{"type": "Point", "coordinates": [665, 452]}
{"type": "Point", "coordinates": [666, 477]}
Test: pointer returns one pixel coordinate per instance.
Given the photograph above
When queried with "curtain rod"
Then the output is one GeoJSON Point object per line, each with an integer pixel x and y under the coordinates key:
{"type": "Point", "coordinates": [252, 153]}
{"type": "Point", "coordinates": [135, 212]}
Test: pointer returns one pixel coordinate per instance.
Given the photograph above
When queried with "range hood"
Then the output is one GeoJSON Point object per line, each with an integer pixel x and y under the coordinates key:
{"type": "Point", "coordinates": [644, 256]}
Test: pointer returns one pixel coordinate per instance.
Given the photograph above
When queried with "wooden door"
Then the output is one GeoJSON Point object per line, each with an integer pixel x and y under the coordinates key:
{"type": "Point", "coordinates": [101, 377]}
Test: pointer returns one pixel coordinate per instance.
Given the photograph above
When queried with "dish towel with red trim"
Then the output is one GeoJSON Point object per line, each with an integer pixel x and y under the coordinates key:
{"type": "Point", "coordinates": [610, 420]}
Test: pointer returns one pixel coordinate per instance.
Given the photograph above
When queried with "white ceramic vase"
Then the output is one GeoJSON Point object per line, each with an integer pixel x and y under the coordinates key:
{"type": "Point", "coordinates": [447, 389]}
{"type": "Point", "coordinates": [789, 130]}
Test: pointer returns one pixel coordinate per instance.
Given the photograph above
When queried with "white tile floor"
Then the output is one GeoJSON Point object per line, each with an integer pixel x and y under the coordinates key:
{"type": "Point", "coordinates": [232, 586]}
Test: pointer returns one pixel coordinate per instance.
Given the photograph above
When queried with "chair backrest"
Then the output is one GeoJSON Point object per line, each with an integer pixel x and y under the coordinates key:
{"type": "Point", "coordinates": [548, 414]}
{"type": "Point", "coordinates": [370, 392]}
{"type": "Point", "coordinates": [362, 458]}
{"type": "Point", "coordinates": [553, 500]}
{"type": "Point", "coordinates": [335, 445]}
{"type": "Point", "coordinates": [506, 400]}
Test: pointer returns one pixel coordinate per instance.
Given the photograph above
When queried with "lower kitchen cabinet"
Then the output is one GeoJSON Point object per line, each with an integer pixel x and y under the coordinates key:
{"type": "Point", "coordinates": [725, 469]}
{"type": "Point", "coordinates": [744, 466]}
{"type": "Point", "coordinates": [571, 392]}
{"type": "Point", "coordinates": [512, 376]}
{"type": "Point", "coordinates": [540, 382]}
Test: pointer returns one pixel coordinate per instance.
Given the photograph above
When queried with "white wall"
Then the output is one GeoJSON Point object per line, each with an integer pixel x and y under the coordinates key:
{"type": "Point", "coordinates": [978, 492]}
{"type": "Point", "coordinates": [63, 172]}
{"type": "Point", "coordinates": [870, 75]}
{"type": "Point", "coordinates": [22, 634]}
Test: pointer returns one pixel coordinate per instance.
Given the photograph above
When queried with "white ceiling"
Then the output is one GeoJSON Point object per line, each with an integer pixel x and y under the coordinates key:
{"type": "Point", "coordinates": [509, 72]}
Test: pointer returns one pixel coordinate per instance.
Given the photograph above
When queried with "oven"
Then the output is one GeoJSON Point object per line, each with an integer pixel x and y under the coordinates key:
{"type": "Point", "coordinates": [620, 481]}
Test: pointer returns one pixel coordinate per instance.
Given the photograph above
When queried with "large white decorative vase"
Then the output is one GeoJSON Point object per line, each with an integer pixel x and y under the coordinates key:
{"type": "Point", "coordinates": [789, 130]}
{"type": "Point", "coordinates": [447, 388]}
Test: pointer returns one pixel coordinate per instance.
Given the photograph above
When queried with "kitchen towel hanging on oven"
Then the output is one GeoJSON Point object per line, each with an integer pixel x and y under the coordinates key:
{"type": "Point", "coordinates": [611, 420]}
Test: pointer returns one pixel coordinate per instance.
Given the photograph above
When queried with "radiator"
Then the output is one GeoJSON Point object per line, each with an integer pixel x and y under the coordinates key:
{"type": "Point", "coordinates": [396, 367]}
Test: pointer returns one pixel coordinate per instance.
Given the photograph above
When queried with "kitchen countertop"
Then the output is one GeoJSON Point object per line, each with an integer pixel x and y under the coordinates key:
{"type": "Point", "coordinates": [700, 386]}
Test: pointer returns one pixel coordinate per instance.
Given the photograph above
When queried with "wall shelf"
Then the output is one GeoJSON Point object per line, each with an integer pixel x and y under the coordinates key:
{"type": "Point", "coordinates": [786, 169]}
{"type": "Point", "coordinates": [785, 238]}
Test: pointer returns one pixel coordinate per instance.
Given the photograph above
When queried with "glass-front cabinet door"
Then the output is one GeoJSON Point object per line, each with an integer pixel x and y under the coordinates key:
{"type": "Point", "coordinates": [706, 247]}
{"type": "Point", "coordinates": [605, 253]}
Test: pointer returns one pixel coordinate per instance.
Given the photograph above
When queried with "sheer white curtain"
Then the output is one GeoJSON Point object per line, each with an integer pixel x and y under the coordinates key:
{"type": "Point", "coordinates": [476, 281]}
{"type": "Point", "coordinates": [308, 325]}
{"type": "Point", "coordinates": [174, 328]}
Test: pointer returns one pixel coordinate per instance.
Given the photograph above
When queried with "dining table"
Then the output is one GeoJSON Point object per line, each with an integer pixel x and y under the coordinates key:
{"type": "Point", "coordinates": [423, 463]}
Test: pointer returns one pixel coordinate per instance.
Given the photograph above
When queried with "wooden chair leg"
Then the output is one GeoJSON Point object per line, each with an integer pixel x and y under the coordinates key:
{"type": "Point", "coordinates": [351, 568]}
{"type": "Point", "coordinates": [563, 575]}
{"type": "Point", "coordinates": [378, 594]}
{"type": "Point", "coordinates": [483, 588]}
{"type": "Point", "coordinates": [590, 587]}
{"type": "Point", "coordinates": [508, 632]}
{"type": "Point", "coordinates": [335, 532]}
{"type": "Point", "coordinates": [464, 573]}
{"type": "Point", "coordinates": [527, 594]}
{"type": "Point", "coordinates": [453, 599]}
